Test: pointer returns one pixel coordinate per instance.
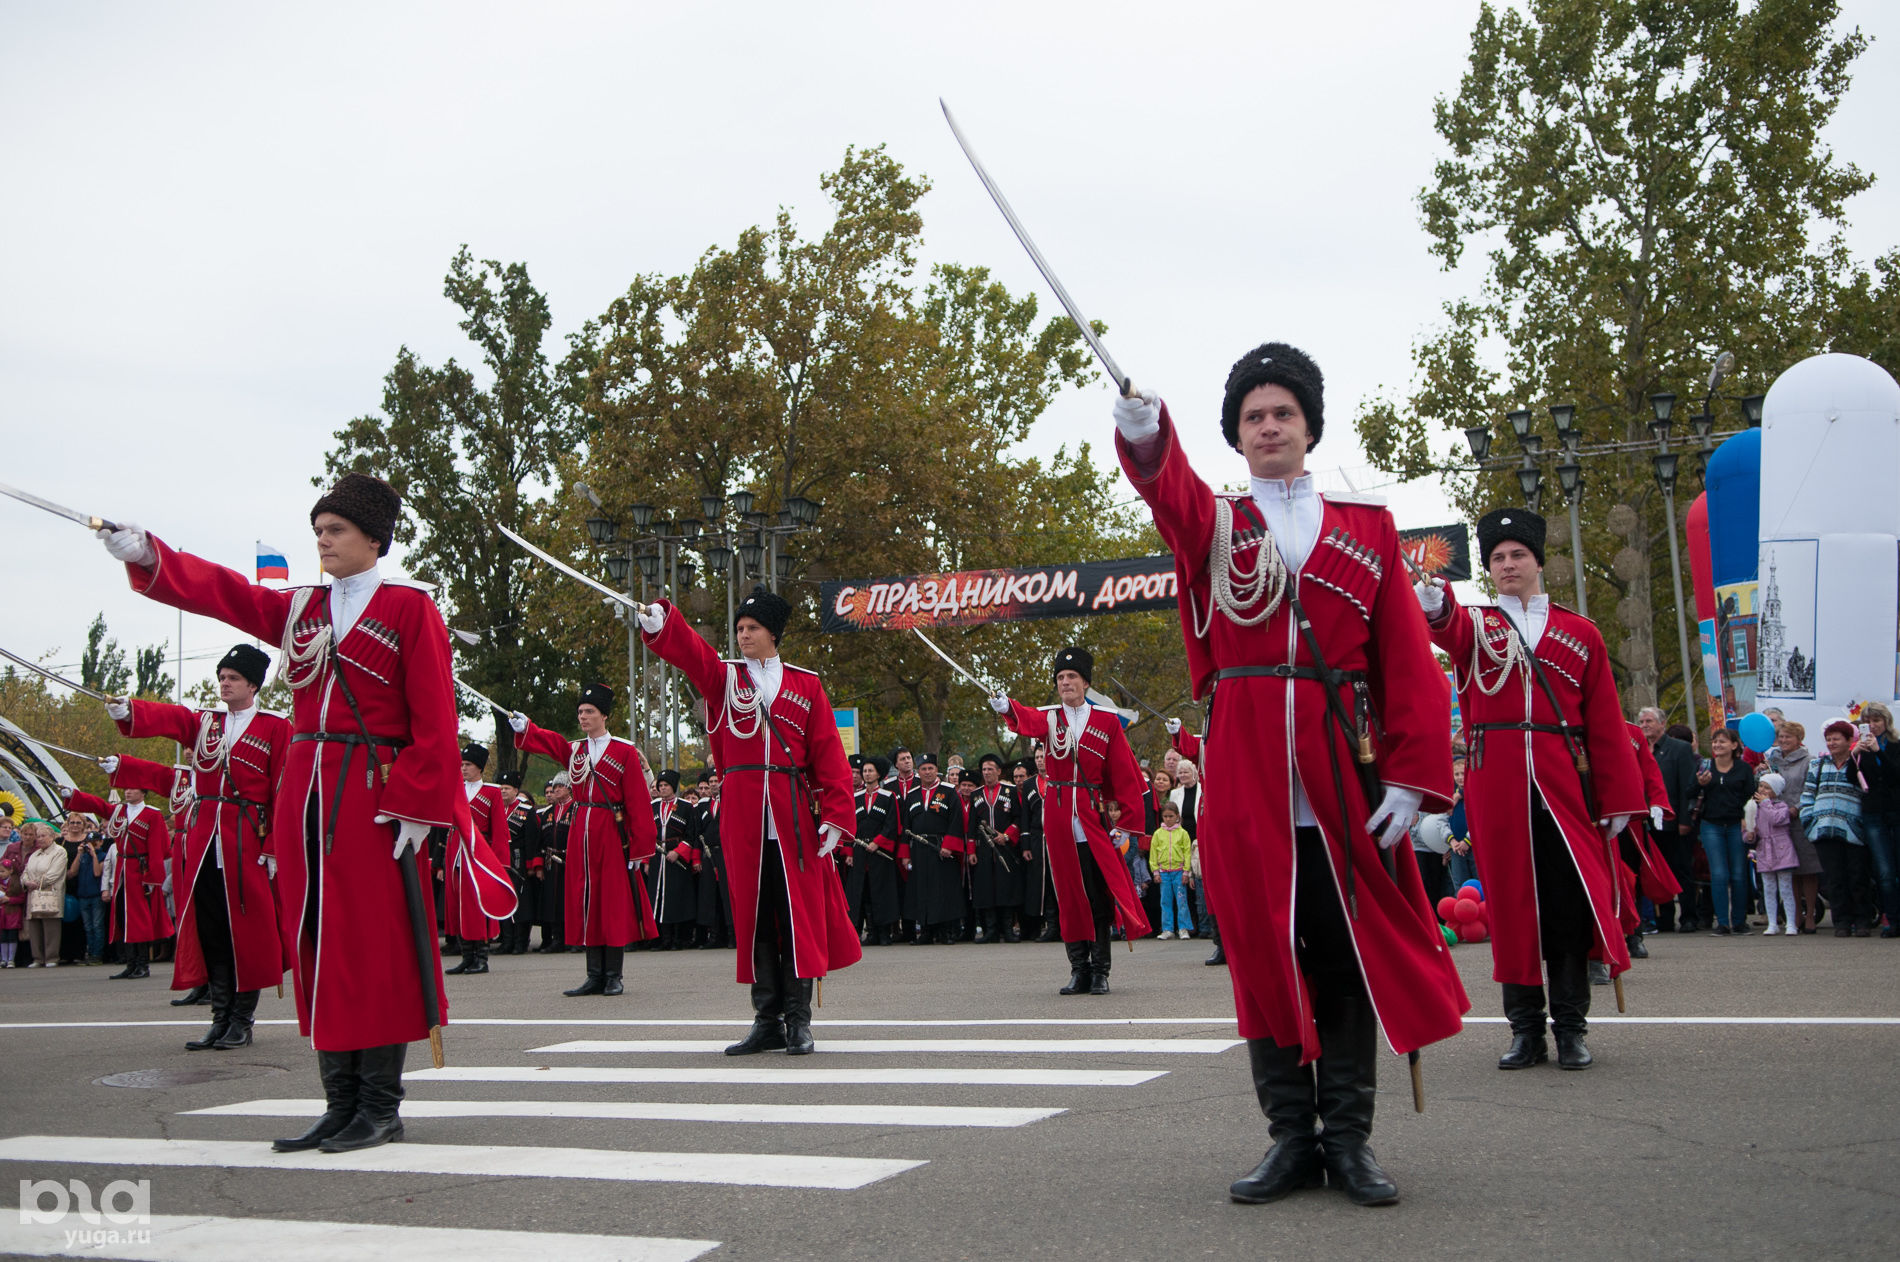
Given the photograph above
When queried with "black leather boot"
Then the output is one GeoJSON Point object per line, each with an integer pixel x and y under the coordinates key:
{"type": "Point", "coordinates": [143, 954]}
{"type": "Point", "coordinates": [1634, 941]}
{"type": "Point", "coordinates": [378, 1097]}
{"type": "Point", "coordinates": [221, 998]}
{"type": "Point", "coordinates": [338, 1073]}
{"type": "Point", "coordinates": [465, 950]}
{"type": "Point", "coordinates": [243, 1012]}
{"type": "Point", "coordinates": [1099, 958]}
{"type": "Point", "coordinates": [1285, 1090]}
{"type": "Point", "coordinates": [1570, 1008]}
{"type": "Point", "coordinates": [768, 1005]}
{"type": "Point", "coordinates": [1078, 968]}
{"type": "Point", "coordinates": [596, 969]}
{"type": "Point", "coordinates": [798, 1039]}
{"type": "Point", "coordinates": [191, 998]}
{"type": "Point", "coordinates": [1345, 1085]}
{"type": "Point", "coordinates": [131, 969]}
{"type": "Point", "coordinates": [1050, 928]}
{"type": "Point", "coordinates": [1219, 956]}
{"type": "Point", "coordinates": [611, 960]}
{"type": "Point", "coordinates": [1524, 1009]}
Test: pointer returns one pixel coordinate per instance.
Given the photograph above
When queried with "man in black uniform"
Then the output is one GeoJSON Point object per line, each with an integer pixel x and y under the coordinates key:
{"type": "Point", "coordinates": [670, 870]}
{"type": "Point", "coordinates": [933, 834]}
{"type": "Point", "coordinates": [996, 879]}
{"type": "Point", "coordinates": [1038, 906]}
{"type": "Point", "coordinates": [871, 884]}
{"type": "Point", "coordinates": [715, 899]}
{"type": "Point", "coordinates": [551, 903]}
{"type": "Point", "coordinates": [524, 862]}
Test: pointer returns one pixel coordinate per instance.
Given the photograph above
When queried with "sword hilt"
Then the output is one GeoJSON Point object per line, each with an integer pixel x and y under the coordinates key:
{"type": "Point", "coordinates": [100, 523]}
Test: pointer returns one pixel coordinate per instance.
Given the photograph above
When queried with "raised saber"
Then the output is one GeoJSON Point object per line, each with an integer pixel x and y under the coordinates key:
{"type": "Point", "coordinates": [76, 753]}
{"type": "Point", "coordinates": [57, 678]}
{"type": "Point", "coordinates": [1121, 380]}
{"type": "Point", "coordinates": [989, 689]}
{"type": "Point", "coordinates": [571, 572]}
{"type": "Point", "coordinates": [483, 697]}
{"type": "Point", "coordinates": [1138, 701]}
{"type": "Point", "coordinates": [58, 510]}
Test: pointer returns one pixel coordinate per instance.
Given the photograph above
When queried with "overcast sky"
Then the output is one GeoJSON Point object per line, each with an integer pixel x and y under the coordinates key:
{"type": "Point", "coordinates": [223, 220]}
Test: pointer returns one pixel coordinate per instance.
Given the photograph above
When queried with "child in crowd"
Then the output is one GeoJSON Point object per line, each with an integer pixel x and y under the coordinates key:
{"type": "Point", "coordinates": [1774, 853]}
{"type": "Point", "coordinates": [1127, 845]}
{"type": "Point", "coordinates": [12, 902]}
{"type": "Point", "coordinates": [1169, 851]}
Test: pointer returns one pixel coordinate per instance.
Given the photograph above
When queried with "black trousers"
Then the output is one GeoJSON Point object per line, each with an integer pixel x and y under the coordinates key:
{"type": "Point", "coordinates": [1844, 869]}
{"type": "Point", "coordinates": [1678, 851]}
{"type": "Point", "coordinates": [1101, 902]}
{"type": "Point", "coordinates": [1564, 920]}
{"type": "Point", "coordinates": [772, 923]}
{"type": "Point", "coordinates": [213, 919]}
{"type": "Point", "coordinates": [1321, 939]}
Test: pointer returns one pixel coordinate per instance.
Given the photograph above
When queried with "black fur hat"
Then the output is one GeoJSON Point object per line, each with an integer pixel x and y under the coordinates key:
{"type": "Point", "coordinates": [477, 754]}
{"type": "Point", "coordinates": [247, 660]}
{"type": "Point", "coordinates": [1502, 525]}
{"type": "Point", "coordinates": [1275, 364]}
{"type": "Point", "coordinates": [769, 609]}
{"type": "Point", "coordinates": [600, 696]}
{"type": "Point", "coordinates": [368, 501]}
{"type": "Point", "coordinates": [510, 778]}
{"type": "Point", "coordinates": [669, 778]}
{"type": "Point", "coordinates": [1079, 660]}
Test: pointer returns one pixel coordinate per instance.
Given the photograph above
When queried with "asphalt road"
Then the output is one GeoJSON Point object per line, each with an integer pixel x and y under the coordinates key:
{"type": "Point", "coordinates": [1688, 1138]}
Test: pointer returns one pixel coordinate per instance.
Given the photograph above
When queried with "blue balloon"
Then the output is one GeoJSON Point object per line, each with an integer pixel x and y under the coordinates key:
{"type": "Point", "coordinates": [1757, 732]}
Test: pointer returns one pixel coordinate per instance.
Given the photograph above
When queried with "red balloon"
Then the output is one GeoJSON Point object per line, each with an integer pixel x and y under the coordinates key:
{"type": "Point", "coordinates": [1465, 910]}
{"type": "Point", "coordinates": [1479, 932]}
{"type": "Point", "coordinates": [1469, 932]}
{"type": "Point", "coordinates": [1445, 905]}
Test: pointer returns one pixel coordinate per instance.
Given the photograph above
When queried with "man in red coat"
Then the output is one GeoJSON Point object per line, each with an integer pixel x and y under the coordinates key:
{"type": "Point", "coordinates": [135, 880]}
{"type": "Point", "coordinates": [786, 805]}
{"type": "Point", "coordinates": [230, 943]}
{"type": "Point", "coordinates": [1646, 873]}
{"type": "Point", "coordinates": [476, 892]}
{"type": "Point", "coordinates": [610, 833]}
{"type": "Point", "coordinates": [1089, 765]}
{"type": "Point", "coordinates": [371, 770]}
{"type": "Point", "coordinates": [1297, 614]}
{"type": "Point", "coordinates": [1550, 783]}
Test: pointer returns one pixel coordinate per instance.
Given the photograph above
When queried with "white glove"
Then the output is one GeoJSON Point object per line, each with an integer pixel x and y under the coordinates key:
{"type": "Point", "coordinates": [517, 722]}
{"type": "Point", "coordinates": [828, 838]}
{"type": "Point", "coordinates": [1174, 727]}
{"type": "Point", "coordinates": [1397, 811]}
{"type": "Point", "coordinates": [119, 711]}
{"type": "Point", "coordinates": [109, 764]}
{"type": "Point", "coordinates": [1614, 825]}
{"type": "Point", "coordinates": [1656, 818]}
{"type": "Point", "coordinates": [409, 834]}
{"type": "Point", "coordinates": [1431, 598]}
{"type": "Point", "coordinates": [128, 544]}
{"type": "Point", "coordinates": [270, 864]}
{"type": "Point", "coordinates": [1139, 417]}
{"type": "Point", "coordinates": [1000, 704]}
{"type": "Point", "coordinates": [651, 619]}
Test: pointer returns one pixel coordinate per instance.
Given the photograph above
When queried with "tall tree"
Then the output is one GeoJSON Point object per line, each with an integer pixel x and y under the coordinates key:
{"type": "Point", "coordinates": [102, 666]}
{"type": "Point", "coordinates": [150, 679]}
{"type": "Point", "coordinates": [465, 456]}
{"type": "Point", "coordinates": [1650, 188]}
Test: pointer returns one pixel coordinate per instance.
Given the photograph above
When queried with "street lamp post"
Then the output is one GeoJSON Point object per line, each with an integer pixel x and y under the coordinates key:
{"type": "Point", "coordinates": [1665, 464]}
{"type": "Point", "coordinates": [1570, 481]}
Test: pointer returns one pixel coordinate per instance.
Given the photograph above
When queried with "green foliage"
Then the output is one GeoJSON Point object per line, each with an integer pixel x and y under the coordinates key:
{"type": "Point", "coordinates": [1649, 187]}
{"type": "Point", "coordinates": [102, 666]}
{"type": "Point", "coordinates": [150, 679]}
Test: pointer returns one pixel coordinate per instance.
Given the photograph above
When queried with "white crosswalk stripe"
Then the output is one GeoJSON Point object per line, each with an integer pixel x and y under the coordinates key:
{"type": "Point", "coordinates": [927, 1047]}
{"type": "Point", "coordinates": [188, 1238]}
{"type": "Point", "coordinates": [655, 1111]}
{"type": "Point", "coordinates": [768, 1076]}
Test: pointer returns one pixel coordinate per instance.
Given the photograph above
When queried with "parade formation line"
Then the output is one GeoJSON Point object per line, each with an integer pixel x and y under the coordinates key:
{"type": "Point", "coordinates": [500, 1160]}
{"type": "Point", "coordinates": [645, 1111]}
{"type": "Point", "coordinates": [770, 1077]}
{"type": "Point", "coordinates": [980, 1047]}
{"type": "Point", "coordinates": [203, 1238]}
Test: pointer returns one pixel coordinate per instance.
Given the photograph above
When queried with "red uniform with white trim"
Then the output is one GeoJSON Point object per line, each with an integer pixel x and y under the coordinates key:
{"type": "Point", "coordinates": [817, 793]}
{"type": "Point", "coordinates": [1101, 758]}
{"type": "Point", "coordinates": [225, 799]}
{"type": "Point", "coordinates": [144, 846]}
{"type": "Point", "coordinates": [1644, 868]}
{"type": "Point", "coordinates": [476, 892]}
{"type": "Point", "coordinates": [344, 916]}
{"type": "Point", "coordinates": [1265, 730]}
{"type": "Point", "coordinates": [610, 830]}
{"type": "Point", "coordinates": [1505, 767]}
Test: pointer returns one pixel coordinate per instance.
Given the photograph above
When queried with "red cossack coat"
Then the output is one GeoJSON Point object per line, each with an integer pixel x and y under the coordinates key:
{"type": "Point", "coordinates": [1504, 768]}
{"type": "Point", "coordinates": [137, 897]}
{"type": "Point", "coordinates": [1651, 875]}
{"type": "Point", "coordinates": [610, 831]}
{"type": "Point", "coordinates": [819, 792]}
{"type": "Point", "coordinates": [1264, 731]}
{"type": "Point", "coordinates": [476, 892]}
{"type": "Point", "coordinates": [225, 801]}
{"type": "Point", "coordinates": [353, 950]}
{"type": "Point", "coordinates": [1102, 759]}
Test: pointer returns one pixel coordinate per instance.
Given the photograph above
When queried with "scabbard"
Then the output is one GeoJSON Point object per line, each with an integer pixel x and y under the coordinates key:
{"type": "Point", "coordinates": [423, 935]}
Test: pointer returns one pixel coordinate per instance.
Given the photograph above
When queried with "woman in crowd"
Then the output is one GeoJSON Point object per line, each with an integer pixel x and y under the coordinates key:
{"type": "Point", "coordinates": [12, 893]}
{"type": "Point", "coordinates": [1831, 813]}
{"type": "Point", "coordinates": [1789, 757]}
{"type": "Point", "coordinates": [1727, 785]}
{"type": "Point", "coordinates": [1879, 756]}
{"type": "Point", "coordinates": [44, 879]}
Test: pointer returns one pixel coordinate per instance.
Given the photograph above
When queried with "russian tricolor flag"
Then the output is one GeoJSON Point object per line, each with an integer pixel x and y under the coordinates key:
{"type": "Point", "coordinates": [271, 562]}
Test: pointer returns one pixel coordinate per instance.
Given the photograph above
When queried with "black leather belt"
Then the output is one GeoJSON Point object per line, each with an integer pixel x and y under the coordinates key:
{"type": "Point", "coordinates": [763, 766]}
{"type": "Point", "coordinates": [351, 738]}
{"type": "Point", "coordinates": [1551, 729]}
{"type": "Point", "coordinates": [209, 797]}
{"type": "Point", "coordinates": [601, 806]}
{"type": "Point", "coordinates": [1292, 672]}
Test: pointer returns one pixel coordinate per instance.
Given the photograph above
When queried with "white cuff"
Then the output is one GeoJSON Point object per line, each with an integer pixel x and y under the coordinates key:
{"type": "Point", "coordinates": [651, 619]}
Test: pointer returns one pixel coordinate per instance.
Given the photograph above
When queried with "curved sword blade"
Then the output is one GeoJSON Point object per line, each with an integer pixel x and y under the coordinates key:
{"type": "Point", "coordinates": [57, 678]}
{"type": "Point", "coordinates": [483, 697]}
{"type": "Point", "coordinates": [27, 497]}
{"type": "Point", "coordinates": [1122, 383]}
{"type": "Point", "coordinates": [571, 572]}
{"type": "Point", "coordinates": [989, 690]}
{"type": "Point", "coordinates": [76, 753]}
{"type": "Point", "coordinates": [1138, 701]}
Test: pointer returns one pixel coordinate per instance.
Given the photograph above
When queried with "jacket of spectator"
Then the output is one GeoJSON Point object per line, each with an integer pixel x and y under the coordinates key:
{"type": "Point", "coordinates": [1830, 802]}
{"type": "Point", "coordinates": [46, 870]}
{"type": "Point", "coordinates": [1678, 764]}
{"type": "Point", "coordinates": [1727, 793]}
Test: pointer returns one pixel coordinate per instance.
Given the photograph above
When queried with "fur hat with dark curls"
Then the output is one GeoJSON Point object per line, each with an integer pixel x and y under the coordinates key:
{"type": "Point", "coordinates": [1275, 364]}
{"type": "Point", "coordinates": [367, 501]}
{"type": "Point", "coordinates": [769, 609]}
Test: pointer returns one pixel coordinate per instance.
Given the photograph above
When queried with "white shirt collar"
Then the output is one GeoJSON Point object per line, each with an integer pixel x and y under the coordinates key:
{"type": "Point", "coordinates": [471, 787]}
{"type": "Point", "coordinates": [1280, 489]}
{"type": "Point", "coordinates": [132, 810]}
{"type": "Point", "coordinates": [1078, 715]}
{"type": "Point", "coordinates": [1292, 511]}
{"type": "Point", "coordinates": [595, 744]}
{"type": "Point", "coordinates": [349, 596]}
{"type": "Point", "coordinates": [1531, 616]}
